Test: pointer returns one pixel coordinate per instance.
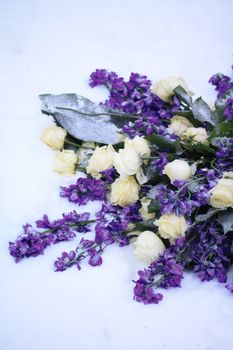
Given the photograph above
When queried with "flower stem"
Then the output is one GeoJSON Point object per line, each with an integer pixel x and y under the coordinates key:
{"type": "Point", "coordinates": [72, 143]}
{"type": "Point", "coordinates": [70, 225]}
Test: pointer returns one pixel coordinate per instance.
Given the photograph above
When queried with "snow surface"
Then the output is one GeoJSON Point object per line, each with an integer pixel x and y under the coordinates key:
{"type": "Point", "coordinates": [51, 46]}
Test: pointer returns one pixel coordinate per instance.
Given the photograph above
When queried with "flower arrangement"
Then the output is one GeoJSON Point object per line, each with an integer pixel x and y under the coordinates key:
{"type": "Point", "coordinates": [160, 162]}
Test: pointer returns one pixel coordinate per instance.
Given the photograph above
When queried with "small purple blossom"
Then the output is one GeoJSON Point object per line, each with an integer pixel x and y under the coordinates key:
{"type": "Point", "coordinates": [109, 175]}
{"type": "Point", "coordinates": [84, 190]}
{"type": "Point", "coordinates": [228, 110]}
{"type": "Point", "coordinates": [160, 162]}
{"type": "Point", "coordinates": [165, 272]}
{"type": "Point", "coordinates": [33, 242]}
{"type": "Point", "coordinates": [86, 249]}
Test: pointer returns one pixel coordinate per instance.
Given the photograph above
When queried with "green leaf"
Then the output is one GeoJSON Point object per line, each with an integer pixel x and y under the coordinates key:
{"type": "Point", "coordinates": [161, 142]}
{"type": "Point", "coordinates": [202, 112]}
{"type": "Point", "coordinates": [151, 174]}
{"type": "Point", "coordinates": [84, 119]}
{"type": "Point", "coordinates": [224, 129]}
{"type": "Point", "coordinates": [203, 217]}
{"type": "Point", "coordinates": [225, 219]}
{"type": "Point", "coordinates": [153, 206]}
{"type": "Point", "coordinates": [182, 94]}
{"type": "Point", "coordinates": [202, 148]}
{"type": "Point", "coordinates": [145, 225]}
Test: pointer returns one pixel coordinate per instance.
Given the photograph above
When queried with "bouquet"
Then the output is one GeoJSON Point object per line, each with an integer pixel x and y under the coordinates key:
{"type": "Point", "coordinates": [161, 163]}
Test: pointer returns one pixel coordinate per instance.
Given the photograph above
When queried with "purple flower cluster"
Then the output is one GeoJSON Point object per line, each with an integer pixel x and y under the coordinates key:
{"type": "Point", "coordinates": [86, 248]}
{"type": "Point", "coordinates": [228, 110]}
{"type": "Point", "coordinates": [189, 195]}
{"type": "Point", "coordinates": [209, 251]}
{"type": "Point", "coordinates": [175, 201]}
{"type": "Point", "coordinates": [84, 190]}
{"type": "Point", "coordinates": [109, 175]}
{"type": "Point", "coordinates": [165, 272]}
{"type": "Point", "coordinates": [224, 155]}
{"type": "Point", "coordinates": [222, 83]}
{"type": "Point", "coordinates": [112, 221]}
{"type": "Point", "coordinates": [135, 97]}
{"type": "Point", "coordinates": [160, 162]}
{"type": "Point", "coordinates": [33, 242]}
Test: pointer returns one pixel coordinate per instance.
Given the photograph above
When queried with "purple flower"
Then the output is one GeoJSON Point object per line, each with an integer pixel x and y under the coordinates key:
{"type": "Point", "coordinates": [84, 190]}
{"type": "Point", "coordinates": [164, 273]}
{"type": "Point", "coordinates": [160, 162]}
{"type": "Point", "coordinates": [109, 175]}
{"type": "Point", "coordinates": [33, 242]}
{"type": "Point", "coordinates": [222, 83]}
{"type": "Point", "coordinates": [86, 248]}
{"type": "Point", "coordinates": [113, 220]}
{"type": "Point", "coordinates": [228, 110]}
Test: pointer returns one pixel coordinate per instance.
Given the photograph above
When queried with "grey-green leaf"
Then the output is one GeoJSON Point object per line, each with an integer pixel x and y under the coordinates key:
{"type": "Point", "coordinates": [225, 219]}
{"type": "Point", "coordinates": [182, 94]}
{"type": "Point", "coordinates": [207, 215]}
{"type": "Point", "coordinates": [75, 114]}
{"type": "Point", "coordinates": [202, 112]}
{"type": "Point", "coordinates": [224, 129]}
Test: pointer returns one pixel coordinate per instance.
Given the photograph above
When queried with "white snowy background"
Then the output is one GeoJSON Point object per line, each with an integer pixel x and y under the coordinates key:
{"type": "Point", "coordinates": [51, 46]}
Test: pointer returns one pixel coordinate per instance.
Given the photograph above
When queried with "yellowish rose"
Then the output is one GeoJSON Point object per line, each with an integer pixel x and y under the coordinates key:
{"type": "Point", "coordinates": [178, 170]}
{"type": "Point", "coordinates": [148, 246]}
{"type": "Point", "coordinates": [54, 137]}
{"type": "Point", "coordinates": [140, 144]}
{"type": "Point", "coordinates": [145, 202]}
{"type": "Point", "coordinates": [164, 87]}
{"type": "Point", "coordinates": [179, 125]}
{"type": "Point", "coordinates": [64, 162]}
{"type": "Point", "coordinates": [127, 161]}
{"type": "Point", "coordinates": [221, 196]}
{"type": "Point", "coordinates": [196, 134]}
{"type": "Point", "coordinates": [124, 191]}
{"type": "Point", "coordinates": [101, 159]}
{"type": "Point", "coordinates": [171, 226]}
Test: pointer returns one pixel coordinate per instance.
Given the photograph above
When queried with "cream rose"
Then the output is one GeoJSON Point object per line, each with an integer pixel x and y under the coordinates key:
{"type": "Point", "coordinates": [127, 161]}
{"type": "Point", "coordinates": [64, 162]}
{"type": "Point", "coordinates": [54, 137]}
{"type": "Point", "coordinates": [196, 134]}
{"type": "Point", "coordinates": [101, 159]}
{"type": "Point", "coordinates": [164, 88]}
{"type": "Point", "coordinates": [221, 196]}
{"type": "Point", "coordinates": [140, 145]}
{"type": "Point", "coordinates": [171, 226]}
{"type": "Point", "coordinates": [179, 125]}
{"type": "Point", "coordinates": [178, 170]}
{"type": "Point", "coordinates": [148, 246]}
{"type": "Point", "coordinates": [124, 191]}
{"type": "Point", "coordinates": [145, 202]}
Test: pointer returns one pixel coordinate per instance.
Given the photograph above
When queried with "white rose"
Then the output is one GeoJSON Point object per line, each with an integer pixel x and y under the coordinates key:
{"type": "Point", "coordinates": [196, 134]}
{"type": "Point", "coordinates": [140, 145]}
{"type": "Point", "coordinates": [64, 162]}
{"type": "Point", "coordinates": [101, 159]}
{"type": "Point", "coordinates": [54, 137]}
{"type": "Point", "coordinates": [164, 88]}
{"type": "Point", "coordinates": [171, 226]}
{"type": "Point", "coordinates": [124, 191]}
{"type": "Point", "coordinates": [221, 196]}
{"type": "Point", "coordinates": [178, 170]}
{"type": "Point", "coordinates": [148, 246]}
{"type": "Point", "coordinates": [179, 125]}
{"type": "Point", "coordinates": [127, 161]}
{"type": "Point", "coordinates": [145, 202]}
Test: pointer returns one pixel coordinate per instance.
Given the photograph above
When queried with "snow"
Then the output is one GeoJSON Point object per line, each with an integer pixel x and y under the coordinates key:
{"type": "Point", "coordinates": [51, 46]}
